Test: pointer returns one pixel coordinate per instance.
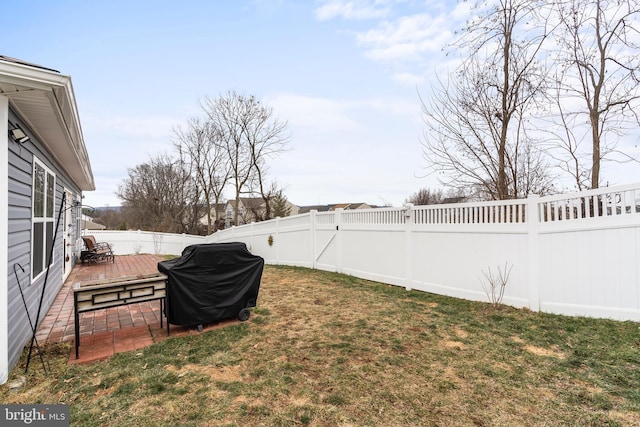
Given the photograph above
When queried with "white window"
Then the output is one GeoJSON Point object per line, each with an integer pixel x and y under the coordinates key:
{"type": "Point", "coordinates": [43, 196]}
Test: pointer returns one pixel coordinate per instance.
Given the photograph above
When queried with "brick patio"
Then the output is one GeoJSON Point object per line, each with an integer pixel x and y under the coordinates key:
{"type": "Point", "coordinates": [112, 330]}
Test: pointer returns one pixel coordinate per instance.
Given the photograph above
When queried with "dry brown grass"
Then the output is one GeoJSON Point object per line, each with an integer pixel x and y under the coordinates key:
{"type": "Point", "coordinates": [323, 349]}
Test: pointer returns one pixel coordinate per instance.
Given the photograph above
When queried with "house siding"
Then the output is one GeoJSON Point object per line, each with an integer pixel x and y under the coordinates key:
{"type": "Point", "coordinates": [20, 179]}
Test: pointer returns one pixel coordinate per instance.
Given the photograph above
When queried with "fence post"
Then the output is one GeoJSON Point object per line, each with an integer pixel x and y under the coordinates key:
{"type": "Point", "coordinates": [533, 229]}
{"type": "Point", "coordinates": [251, 233]}
{"type": "Point", "coordinates": [408, 263]}
{"type": "Point", "coordinates": [277, 239]}
{"type": "Point", "coordinates": [339, 240]}
{"type": "Point", "coordinates": [312, 237]}
{"type": "Point", "coordinates": [137, 248]}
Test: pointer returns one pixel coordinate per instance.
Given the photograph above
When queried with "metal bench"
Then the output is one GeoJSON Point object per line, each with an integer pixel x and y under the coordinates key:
{"type": "Point", "coordinates": [99, 294]}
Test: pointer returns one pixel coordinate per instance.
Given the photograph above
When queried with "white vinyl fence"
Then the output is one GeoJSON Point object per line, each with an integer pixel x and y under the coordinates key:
{"type": "Point", "coordinates": [573, 254]}
{"type": "Point", "coordinates": [148, 242]}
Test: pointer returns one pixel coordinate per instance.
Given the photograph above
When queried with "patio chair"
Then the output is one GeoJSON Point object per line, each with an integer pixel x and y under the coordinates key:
{"type": "Point", "coordinates": [98, 245]}
{"type": "Point", "coordinates": [96, 252]}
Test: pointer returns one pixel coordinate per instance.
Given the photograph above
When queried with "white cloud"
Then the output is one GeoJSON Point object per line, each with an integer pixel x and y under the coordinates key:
{"type": "Point", "coordinates": [118, 142]}
{"type": "Point", "coordinates": [462, 11]}
{"type": "Point", "coordinates": [140, 126]}
{"type": "Point", "coordinates": [333, 115]}
{"type": "Point", "coordinates": [107, 183]}
{"type": "Point", "coordinates": [408, 79]}
{"type": "Point", "coordinates": [389, 106]}
{"type": "Point", "coordinates": [352, 10]}
{"type": "Point", "coordinates": [348, 150]}
{"type": "Point", "coordinates": [406, 38]}
{"type": "Point", "coordinates": [319, 114]}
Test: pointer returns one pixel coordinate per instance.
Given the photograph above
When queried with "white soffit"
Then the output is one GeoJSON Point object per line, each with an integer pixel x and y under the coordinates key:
{"type": "Point", "coordinates": [44, 99]}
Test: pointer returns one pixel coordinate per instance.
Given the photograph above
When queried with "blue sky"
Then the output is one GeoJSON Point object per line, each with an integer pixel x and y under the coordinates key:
{"type": "Point", "coordinates": [344, 74]}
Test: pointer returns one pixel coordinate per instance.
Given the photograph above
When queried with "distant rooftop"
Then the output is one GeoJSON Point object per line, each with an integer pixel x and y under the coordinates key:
{"type": "Point", "coordinates": [28, 64]}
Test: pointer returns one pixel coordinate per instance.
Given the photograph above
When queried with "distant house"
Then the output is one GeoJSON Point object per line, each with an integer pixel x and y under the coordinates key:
{"type": "Point", "coordinates": [46, 169]}
{"type": "Point", "coordinates": [457, 199]}
{"type": "Point", "coordinates": [319, 208]}
{"type": "Point", "coordinates": [88, 224]}
{"type": "Point", "coordinates": [250, 209]}
{"type": "Point", "coordinates": [350, 206]}
{"type": "Point", "coordinates": [327, 208]}
{"type": "Point", "coordinates": [220, 211]}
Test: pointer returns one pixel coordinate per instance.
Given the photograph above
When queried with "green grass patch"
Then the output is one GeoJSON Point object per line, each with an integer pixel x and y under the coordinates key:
{"type": "Point", "coordinates": [328, 349]}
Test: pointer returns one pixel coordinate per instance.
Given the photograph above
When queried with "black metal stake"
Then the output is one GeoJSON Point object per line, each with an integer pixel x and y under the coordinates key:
{"type": "Point", "coordinates": [26, 308]}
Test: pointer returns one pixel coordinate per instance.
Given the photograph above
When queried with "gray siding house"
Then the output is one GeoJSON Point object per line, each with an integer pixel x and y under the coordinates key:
{"type": "Point", "coordinates": [44, 171]}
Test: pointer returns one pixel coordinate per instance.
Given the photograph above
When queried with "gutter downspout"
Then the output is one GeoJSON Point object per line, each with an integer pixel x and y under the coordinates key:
{"type": "Point", "coordinates": [4, 240]}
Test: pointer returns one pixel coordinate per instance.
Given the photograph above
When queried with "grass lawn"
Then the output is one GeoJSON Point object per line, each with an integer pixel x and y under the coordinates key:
{"type": "Point", "coordinates": [324, 349]}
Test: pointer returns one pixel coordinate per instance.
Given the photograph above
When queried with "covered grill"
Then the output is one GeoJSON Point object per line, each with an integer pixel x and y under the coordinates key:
{"type": "Point", "coordinates": [211, 282]}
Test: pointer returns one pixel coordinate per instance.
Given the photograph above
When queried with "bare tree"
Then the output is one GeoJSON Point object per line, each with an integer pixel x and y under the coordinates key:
{"type": "Point", "coordinates": [160, 195]}
{"type": "Point", "coordinates": [200, 147]}
{"type": "Point", "coordinates": [249, 134]}
{"type": "Point", "coordinates": [565, 145]}
{"type": "Point", "coordinates": [476, 134]}
{"type": "Point", "coordinates": [600, 55]}
{"type": "Point", "coordinates": [111, 218]}
{"type": "Point", "coordinates": [426, 196]}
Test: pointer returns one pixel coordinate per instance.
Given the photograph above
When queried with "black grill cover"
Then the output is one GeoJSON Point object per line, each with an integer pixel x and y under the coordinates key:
{"type": "Point", "coordinates": [211, 282]}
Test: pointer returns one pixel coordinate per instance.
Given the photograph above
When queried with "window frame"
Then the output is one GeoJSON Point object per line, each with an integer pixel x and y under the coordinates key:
{"type": "Point", "coordinates": [43, 202]}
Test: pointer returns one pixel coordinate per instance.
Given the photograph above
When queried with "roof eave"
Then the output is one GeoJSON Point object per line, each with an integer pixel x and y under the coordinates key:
{"type": "Point", "coordinates": [63, 137]}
